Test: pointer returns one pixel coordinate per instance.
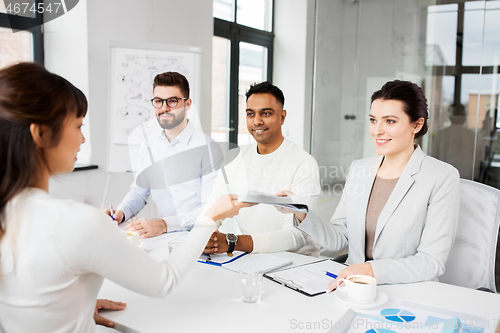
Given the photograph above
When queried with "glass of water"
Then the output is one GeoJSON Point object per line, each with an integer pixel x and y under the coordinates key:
{"type": "Point", "coordinates": [251, 284]}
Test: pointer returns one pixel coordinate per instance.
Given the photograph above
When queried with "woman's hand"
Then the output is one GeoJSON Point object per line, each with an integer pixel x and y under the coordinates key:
{"type": "Point", "coordinates": [301, 216]}
{"type": "Point", "coordinates": [106, 304]}
{"type": "Point", "coordinates": [361, 269]}
{"type": "Point", "coordinates": [226, 206]}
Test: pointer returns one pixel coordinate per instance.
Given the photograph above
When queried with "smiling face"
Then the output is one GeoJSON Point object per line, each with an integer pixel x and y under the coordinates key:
{"type": "Point", "coordinates": [391, 128]}
{"type": "Point", "coordinates": [61, 158]}
{"type": "Point", "coordinates": [265, 115]}
{"type": "Point", "coordinates": [168, 117]}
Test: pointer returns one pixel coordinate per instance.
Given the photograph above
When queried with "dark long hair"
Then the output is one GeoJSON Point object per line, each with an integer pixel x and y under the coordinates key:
{"type": "Point", "coordinates": [29, 94]}
{"type": "Point", "coordinates": [413, 98]}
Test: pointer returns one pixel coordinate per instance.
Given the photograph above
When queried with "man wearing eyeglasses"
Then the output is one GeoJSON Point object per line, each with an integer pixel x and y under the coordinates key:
{"type": "Point", "coordinates": [176, 166]}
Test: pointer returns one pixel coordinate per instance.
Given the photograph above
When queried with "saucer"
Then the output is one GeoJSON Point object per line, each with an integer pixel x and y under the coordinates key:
{"type": "Point", "coordinates": [380, 299]}
{"type": "Point", "coordinates": [141, 245]}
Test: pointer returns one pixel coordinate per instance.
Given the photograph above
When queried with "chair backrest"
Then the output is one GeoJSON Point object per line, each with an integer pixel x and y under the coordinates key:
{"type": "Point", "coordinates": [471, 262]}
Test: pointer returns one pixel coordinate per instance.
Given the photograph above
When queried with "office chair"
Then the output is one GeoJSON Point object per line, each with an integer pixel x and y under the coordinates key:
{"type": "Point", "coordinates": [471, 262]}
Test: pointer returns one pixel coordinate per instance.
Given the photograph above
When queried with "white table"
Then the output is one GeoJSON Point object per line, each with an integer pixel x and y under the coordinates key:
{"type": "Point", "coordinates": [208, 301]}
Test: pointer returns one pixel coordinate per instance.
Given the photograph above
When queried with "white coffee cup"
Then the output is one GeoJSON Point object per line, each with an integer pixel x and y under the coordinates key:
{"type": "Point", "coordinates": [361, 289]}
{"type": "Point", "coordinates": [133, 237]}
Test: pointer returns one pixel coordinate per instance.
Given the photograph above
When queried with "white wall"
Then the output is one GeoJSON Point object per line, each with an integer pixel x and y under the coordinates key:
{"type": "Point", "coordinates": [293, 65]}
{"type": "Point", "coordinates": [180, 22]}
{"type": "Point", "coordinates": [66, 38]}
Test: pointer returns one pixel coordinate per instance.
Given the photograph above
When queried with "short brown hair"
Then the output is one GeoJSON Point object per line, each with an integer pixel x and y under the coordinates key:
{"type": "Point", "coordinates": [170, 79]}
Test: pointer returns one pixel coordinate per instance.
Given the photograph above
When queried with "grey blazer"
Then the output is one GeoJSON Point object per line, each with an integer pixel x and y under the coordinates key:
{"type": "Point", "coordinates": [415, 230]}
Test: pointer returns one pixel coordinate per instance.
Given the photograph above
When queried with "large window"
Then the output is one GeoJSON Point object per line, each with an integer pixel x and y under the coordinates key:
{"type": "Point", "coordinates": [21, 39]}
{"type": "Point", "coordinates": [450, 48]}
{"type": "Point", "coordinates": [18, 41]}
{"type": "Point", "coordinates": [463, 41]}
{"type": "Point", "coordinates": [242, 55]}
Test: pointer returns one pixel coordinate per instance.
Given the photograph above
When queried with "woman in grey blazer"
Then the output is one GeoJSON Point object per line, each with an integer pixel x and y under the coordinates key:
{"type": "Point", "coordinates": [399, 210]}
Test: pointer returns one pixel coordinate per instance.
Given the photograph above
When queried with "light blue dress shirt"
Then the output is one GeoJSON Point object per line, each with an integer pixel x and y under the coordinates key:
{"type": "Point", "coordinates": [178, 175]}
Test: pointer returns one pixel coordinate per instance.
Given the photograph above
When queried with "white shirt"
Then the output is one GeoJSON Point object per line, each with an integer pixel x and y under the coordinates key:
{"type": "Point", "coordinates": [179, 178]}
{"type": "Point", "coordinates": [287, 168]}
{"type": "Point", "coordinates": [55, 254]}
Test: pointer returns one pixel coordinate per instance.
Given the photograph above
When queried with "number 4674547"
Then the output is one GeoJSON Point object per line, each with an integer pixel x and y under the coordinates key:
{"type": "Point", "coordinates": [26, 7]}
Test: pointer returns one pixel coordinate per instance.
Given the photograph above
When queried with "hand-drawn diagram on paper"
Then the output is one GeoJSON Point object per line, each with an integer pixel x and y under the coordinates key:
{"type": "Point", "coordinates": [133, 72]}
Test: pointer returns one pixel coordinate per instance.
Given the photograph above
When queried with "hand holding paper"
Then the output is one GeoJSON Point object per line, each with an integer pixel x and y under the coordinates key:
{"type": "Point", "coordinates": [285, 210]}
{"type": "Point", "coordinates": [287, 200]}
{"type": "Point", "coordinates": [225, 207]}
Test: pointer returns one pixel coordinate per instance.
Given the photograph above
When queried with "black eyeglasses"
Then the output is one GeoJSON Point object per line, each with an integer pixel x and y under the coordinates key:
{"type": "Point", "coordinates": [171, 101]}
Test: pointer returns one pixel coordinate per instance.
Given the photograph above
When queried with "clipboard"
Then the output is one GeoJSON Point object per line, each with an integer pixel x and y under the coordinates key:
{"type": "Point", "coordinates": [309, 279]}
{"type": "Point", "coordinates": [221, 258]}
{"type": "Point", "coordinates": [264, 262]}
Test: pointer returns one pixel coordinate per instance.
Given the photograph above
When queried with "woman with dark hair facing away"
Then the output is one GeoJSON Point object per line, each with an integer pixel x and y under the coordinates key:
{"type": "Point", "coordinates": [54, 253]}
{"type": "Point", "coordinates": [399, 210]}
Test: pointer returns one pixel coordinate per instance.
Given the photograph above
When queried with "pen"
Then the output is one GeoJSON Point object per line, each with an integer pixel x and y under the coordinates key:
{"type": "Point", "coordinates": [111, 211]}
{"type": "Point", "coordinates": [330, 274]}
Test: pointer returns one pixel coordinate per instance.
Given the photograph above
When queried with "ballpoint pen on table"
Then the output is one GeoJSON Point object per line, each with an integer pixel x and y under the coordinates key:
{"type": "Point", "coordinates": [111, 211]}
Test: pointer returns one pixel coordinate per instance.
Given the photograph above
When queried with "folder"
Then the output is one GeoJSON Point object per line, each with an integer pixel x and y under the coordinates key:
{"type": "Point", "coordinates": [294, 203]}
{"type": "Point", "coordinates": [220, 258]}
{"type": "Point", "coordinates": [264, 262]}
{"type": "Point", "coordinates": [310, 279]}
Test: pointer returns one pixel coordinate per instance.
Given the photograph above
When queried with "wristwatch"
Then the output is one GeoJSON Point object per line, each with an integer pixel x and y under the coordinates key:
{"type": "Point", "coordinates": [232, 239]}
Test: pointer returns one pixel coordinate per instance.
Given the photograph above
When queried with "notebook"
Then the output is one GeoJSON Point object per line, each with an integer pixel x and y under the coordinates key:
{"type": "Point", "coordinates": [220, 258]}
{"type": "Point", "coordinates": [262, 261]}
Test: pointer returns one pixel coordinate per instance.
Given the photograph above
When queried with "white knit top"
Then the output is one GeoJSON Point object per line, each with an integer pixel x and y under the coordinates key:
{"type": "Point", "coordinates": [56, 253]}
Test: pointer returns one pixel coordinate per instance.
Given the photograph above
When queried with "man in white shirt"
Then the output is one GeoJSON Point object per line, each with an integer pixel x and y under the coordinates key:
{"type": "Point", "coordinates": [269, 165]}
{"type": "Point", "coordinates": [176, 166]}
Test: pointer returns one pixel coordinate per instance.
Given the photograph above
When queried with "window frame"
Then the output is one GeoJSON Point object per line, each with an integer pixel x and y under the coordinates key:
{"type": "Point", "coordinates": [459, 69]}
{"type": "Point", "coordinates": [10, 21]}
{"type": "Point", "coordinates": [24, 23]}
{"type": "Point", "coordinates": [237, 33]}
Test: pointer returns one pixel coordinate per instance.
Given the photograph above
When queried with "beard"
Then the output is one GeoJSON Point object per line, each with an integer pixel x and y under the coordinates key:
{"type": "Point", "coordinates": [173, 122]}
